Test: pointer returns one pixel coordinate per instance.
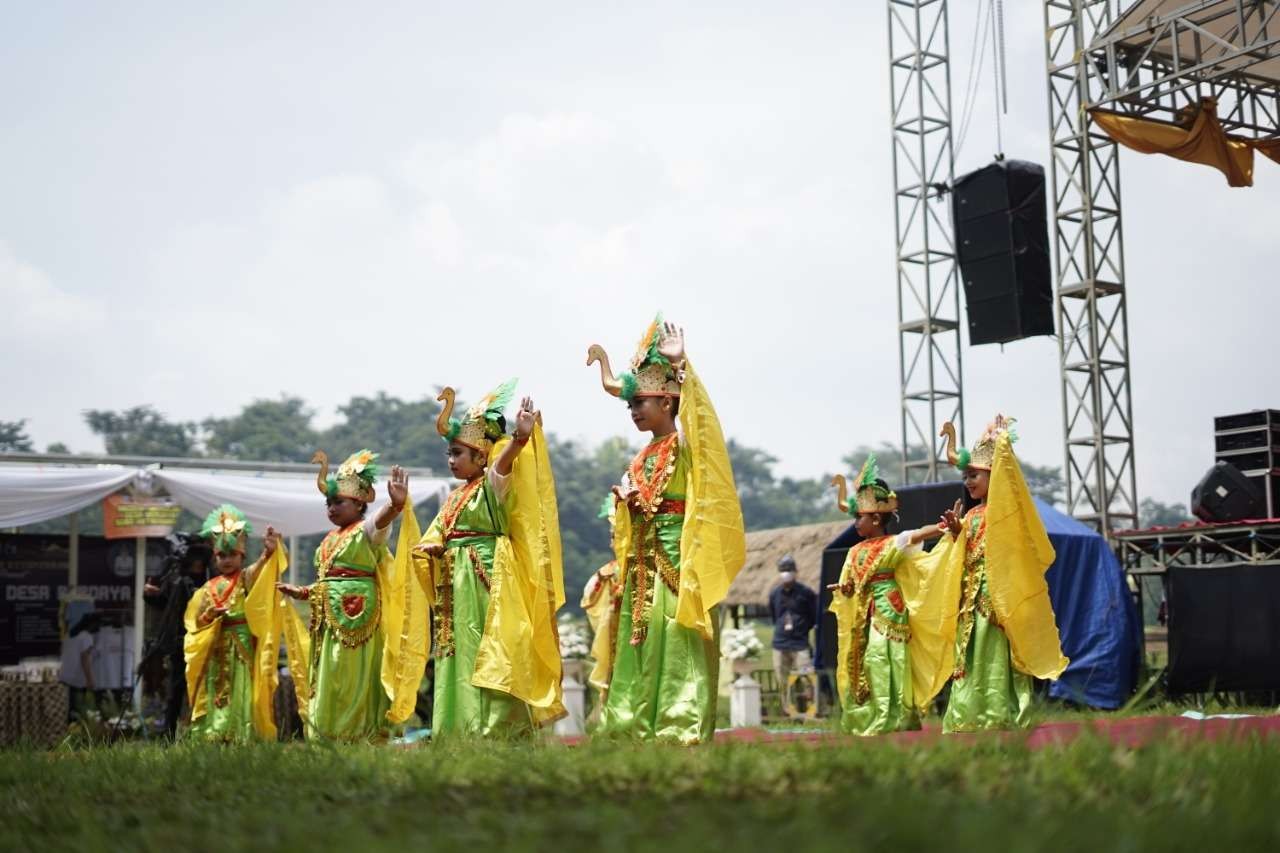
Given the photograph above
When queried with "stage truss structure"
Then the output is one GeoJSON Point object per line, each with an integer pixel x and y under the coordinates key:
{"type": "Point", "coordinates": [931, 389]}
{"type": "Point", "coordinates": [1157, 58]}
{"type": "Point", "coordinates": [1090, 293]}
{"type": "Point", "coordinates": [1157, 62]}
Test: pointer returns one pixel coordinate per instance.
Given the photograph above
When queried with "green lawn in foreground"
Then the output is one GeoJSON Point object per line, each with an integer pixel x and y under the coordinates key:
{"type": "Point", "coordinates": [991, 795]}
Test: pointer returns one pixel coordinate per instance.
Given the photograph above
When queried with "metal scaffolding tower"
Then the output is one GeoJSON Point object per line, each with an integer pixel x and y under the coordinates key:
{"type": "Point", "coordinates": [928, 287]}
{"type": "Point", "coordinates": [1092, 309]}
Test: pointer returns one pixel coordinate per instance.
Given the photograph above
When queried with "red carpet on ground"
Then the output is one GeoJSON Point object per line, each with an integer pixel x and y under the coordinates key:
{"type": "Point", "coordinates": [1128, 731]}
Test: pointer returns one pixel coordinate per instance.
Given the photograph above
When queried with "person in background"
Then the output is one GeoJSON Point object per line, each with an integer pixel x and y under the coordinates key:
{"type": "Point", "coordinates": [793, 608]}
{"type": "Point", "coordinates": [186, 568]}
{"type": "Point", "coordinates": [77, 659]}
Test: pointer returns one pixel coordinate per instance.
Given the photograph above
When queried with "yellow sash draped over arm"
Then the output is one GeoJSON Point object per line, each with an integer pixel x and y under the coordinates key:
{"type": "Point", "coordinates": [1018, 554]}
{"type": "Point", "coordinates": [713, 544]}
{"type": "Point", "coordinates": [519, 653]}
{"type": "Point", "coordinates": [261, 611]}
{"type": "Point", "coordinates": [930, 584]}
{"type": "Point", "coordinates": [845, 608]}
{"type": "Point", "coordinates": [404, 623]}
{"type": "Point", "coordinates": [598, 605]}
{"type": "Point", "coordinates": [196, 646]}
{"type": "Point", "coordinates": [297, 645]}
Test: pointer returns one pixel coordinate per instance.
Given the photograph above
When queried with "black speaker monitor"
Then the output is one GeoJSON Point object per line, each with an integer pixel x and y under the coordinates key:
{"type": "Point", "coordinates": [1222, 633]}
{"type": "Point", "coordinates": [1002, 248]}
{"type": "Point", "coordinates": [1225, 494]}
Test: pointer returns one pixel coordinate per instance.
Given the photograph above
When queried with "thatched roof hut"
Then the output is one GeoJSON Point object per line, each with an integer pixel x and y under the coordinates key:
{"type": "Point", "coordinates": [759, 574]}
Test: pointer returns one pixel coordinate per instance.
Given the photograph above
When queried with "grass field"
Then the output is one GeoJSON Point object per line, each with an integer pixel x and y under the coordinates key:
{"type": "Point", "coordinates": [857, 795]}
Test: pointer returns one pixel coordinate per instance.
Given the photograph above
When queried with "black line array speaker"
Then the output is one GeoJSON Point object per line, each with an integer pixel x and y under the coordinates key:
{"type": "Point", "coordinates": [1222, 628]}
{"type": "Point", "coordinates": [1002, 248]}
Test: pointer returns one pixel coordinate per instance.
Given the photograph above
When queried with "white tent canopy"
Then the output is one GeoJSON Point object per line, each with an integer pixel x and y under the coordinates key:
{"type": "Point", "coordinates": [33, 495]}
{"type": "Point", "coordinates": [291, 504]}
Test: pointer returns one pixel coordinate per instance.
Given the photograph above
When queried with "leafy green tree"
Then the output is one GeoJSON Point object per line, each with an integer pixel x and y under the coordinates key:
{"type": "Point", "coordinates": [142, 431]}
{"type": "Point", "coordinates": [404, 433]}
{"type": "Point", "coordinates": [768, 502]}
{"type": "Point", "coordinates": [265, 430]}
{"type": "Point", "coordinates": [1153, 513]}
{"type": "Point", "coordinates": [14, 438]}
{"type": "Point", "coordinates": [57, 447]}
{"type": "Point", "coordinates": [584, 476]}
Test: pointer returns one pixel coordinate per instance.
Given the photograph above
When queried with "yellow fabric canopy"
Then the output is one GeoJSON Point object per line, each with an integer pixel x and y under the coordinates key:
{"type": "Point", "coordinates": [1200, 139]}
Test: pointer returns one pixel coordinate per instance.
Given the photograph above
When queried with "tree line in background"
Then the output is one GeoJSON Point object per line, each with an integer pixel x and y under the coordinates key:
{"type": "Point", "coordinates": [404, 433]}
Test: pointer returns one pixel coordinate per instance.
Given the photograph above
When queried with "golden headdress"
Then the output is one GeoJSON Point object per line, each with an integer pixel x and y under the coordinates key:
{"type": "Point", "coordinates": [651, 373]}
{"type": "Point", "coordinates": [870, 495]}
{"type": "Point", "coordinates": [984, 449]}
{"type": "Point", "coordinates": [354, 479]}
{"type": "Point", "coordinates": [482, 425]}
{"type": "Point", "coordinates": [227, 529]}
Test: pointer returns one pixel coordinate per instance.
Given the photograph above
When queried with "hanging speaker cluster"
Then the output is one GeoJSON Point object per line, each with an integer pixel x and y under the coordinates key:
{"type": "Point", "coordinates": [1002, 248]}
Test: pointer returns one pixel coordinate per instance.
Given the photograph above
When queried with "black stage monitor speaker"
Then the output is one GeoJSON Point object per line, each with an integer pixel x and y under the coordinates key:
{"type": "Point", "coordinates": [1002, 247]}
{"type": "Point", "coordinates": [1222, 628]}
{"type": "Point", "coordinates": [1225, 494]}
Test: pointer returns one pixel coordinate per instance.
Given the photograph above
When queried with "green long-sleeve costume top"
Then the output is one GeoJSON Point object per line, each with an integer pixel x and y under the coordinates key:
{"type": "Point", "coordinates": [664, 682]}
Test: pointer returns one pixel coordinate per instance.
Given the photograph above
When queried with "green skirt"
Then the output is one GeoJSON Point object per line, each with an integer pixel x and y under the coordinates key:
{"type": "Point", "coordinates": [459, 707]}
{"type": "Point", "coordinates": [890, 706]}
{"type": "Point", "coordinates": [666, 687]}
{"type": "Point", "coordinates": [347, 699]}
{"type": "Point", "coordinates": [992, 694]}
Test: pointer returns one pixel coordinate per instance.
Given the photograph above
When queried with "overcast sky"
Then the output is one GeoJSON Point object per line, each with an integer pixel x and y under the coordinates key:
{"type": "Point", "coordinates": [207, 203]}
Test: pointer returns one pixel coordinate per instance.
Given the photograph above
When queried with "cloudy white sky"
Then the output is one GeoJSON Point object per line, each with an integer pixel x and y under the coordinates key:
{"type": "Point", "coordinates": [207, 203]}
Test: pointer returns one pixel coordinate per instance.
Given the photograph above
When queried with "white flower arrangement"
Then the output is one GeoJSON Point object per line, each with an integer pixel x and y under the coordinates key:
{"type": "Point", "coordinates": [574, 642]}
{"type": "Point", "coordinates": [740, 644]}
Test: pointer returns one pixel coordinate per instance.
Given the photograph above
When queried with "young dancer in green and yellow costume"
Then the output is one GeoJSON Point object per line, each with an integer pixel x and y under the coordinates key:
{"type": "Point", "coordinates": [678, 539]}
{"type": "Point", "coordinates": [873, 669]}
{"type": "Point", "coordinates": [359, 663]}
{"type": "Point", "coordinates": [490, 565]}
{"type": "Point", "coordinates": [986, 589]}
{"type": "Point", "coordinates": [230, 645]}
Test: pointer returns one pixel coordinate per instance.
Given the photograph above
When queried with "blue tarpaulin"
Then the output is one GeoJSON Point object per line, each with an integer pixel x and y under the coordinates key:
{"type": "Point", "coordinates": [1097, 620]}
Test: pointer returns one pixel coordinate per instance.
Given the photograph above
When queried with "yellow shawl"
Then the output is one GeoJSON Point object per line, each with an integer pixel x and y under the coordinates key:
{"type": "Point", "coordinates": [713, 543]}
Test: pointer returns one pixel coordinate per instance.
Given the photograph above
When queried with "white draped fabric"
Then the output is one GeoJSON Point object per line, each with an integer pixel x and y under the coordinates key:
{"type": "Point", "coordinates": [29, 495]}
{"type": "Point", "coordinates": [36, 494]}
{"type": "Point", "coordinates": [292, 505]}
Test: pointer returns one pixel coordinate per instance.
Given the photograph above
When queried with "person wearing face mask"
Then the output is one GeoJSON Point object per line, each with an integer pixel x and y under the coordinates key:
{"type": "Point", "coordinates": [793, 609]}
